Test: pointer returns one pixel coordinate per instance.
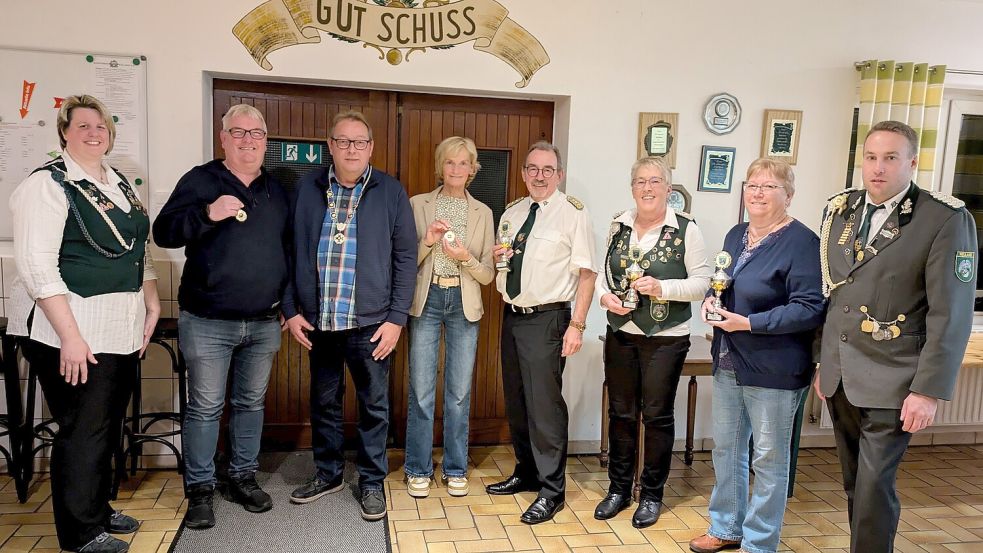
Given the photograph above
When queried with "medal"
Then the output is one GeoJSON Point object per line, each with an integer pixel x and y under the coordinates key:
{"type": "Point", "coordinates": [646, 264]}
{"type": "Point", "coordinates": [880, 331]}
{"type": "Point", "coordinates": [894, 330]}
{"type": "Point", "coordinates": [677, 242]}
{"type": "Point", "coordinates": [450, 236]}
{"type": "Point", "coordinates": [860, 256]}
{"type": "Point", "coordinates": [341, 226]}
{"type": "Point", "coordinates": [866, 327]}
{"type": "Point", "coordinates": [241, 216]}
{"type": "Point", "coordinates": [339, 238]}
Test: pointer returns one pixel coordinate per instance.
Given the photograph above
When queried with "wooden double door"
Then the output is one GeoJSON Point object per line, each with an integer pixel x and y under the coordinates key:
{"type": "Point", "coordinates": [407, 127]}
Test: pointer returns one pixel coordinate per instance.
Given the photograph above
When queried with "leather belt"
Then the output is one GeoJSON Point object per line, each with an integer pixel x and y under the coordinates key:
{"type": "Point", "coordinates": [539, 308]}
{"type": "Point", "coordinates": [446, 281]}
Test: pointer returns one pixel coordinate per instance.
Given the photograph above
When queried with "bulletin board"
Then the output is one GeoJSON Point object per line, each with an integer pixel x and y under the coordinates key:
{"type": "Point", "coordinates": [32, 86]}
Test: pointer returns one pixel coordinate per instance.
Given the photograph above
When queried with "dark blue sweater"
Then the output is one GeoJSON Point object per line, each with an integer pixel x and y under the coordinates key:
{"type": "Point", "coordinates": [385, 266]}
{"type": "Point", "coordinates": [779, 290]}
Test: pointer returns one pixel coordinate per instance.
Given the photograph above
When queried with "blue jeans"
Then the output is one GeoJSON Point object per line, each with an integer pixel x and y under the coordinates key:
{"type": "Point", "coordinates": [210, 348]}
{"type": "Point", "coordinates": [330, 352]}
{"type": "Point", "coordinates": [738, 413]}
{"type": "Point", "coordinates": [443, 308]}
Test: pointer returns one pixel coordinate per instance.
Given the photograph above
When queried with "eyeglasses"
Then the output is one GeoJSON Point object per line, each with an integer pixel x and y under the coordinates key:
{"type": "Point", "coordinates": [345, 143]}
{"type": "Point", "coordinates": [763, 187]}
{"type": "Point", "coordinates": [236, 132]}
{"type": "Point", "coordinates": [534, 171]}
{"type": "Point", "coordinates": [654, 181]}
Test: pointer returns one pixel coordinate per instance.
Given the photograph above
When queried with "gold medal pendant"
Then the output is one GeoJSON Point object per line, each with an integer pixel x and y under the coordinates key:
{"type": "Point", "coordinates": [241, 216]}
{"type": "Point", "coordinates": [860, 256]}
{"type": "Point", "coordinates": [866, 327]}
{"type": "Point", "coordinates": [895, 331]}
{"type": "Point", "coordinates": [339, 238]}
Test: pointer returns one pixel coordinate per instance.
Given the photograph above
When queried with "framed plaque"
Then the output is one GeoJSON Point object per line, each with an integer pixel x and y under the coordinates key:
{"type": "Point", "coordinates": [657, 135]}
{"type": "Point", "coordinates": [716, 169]}
{"type": "Point", "coordinates": [680, 199]}
{"type": "Point", "coordinates": [780, 135]}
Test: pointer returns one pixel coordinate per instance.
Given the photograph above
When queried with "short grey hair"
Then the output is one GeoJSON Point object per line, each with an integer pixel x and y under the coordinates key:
{"type": "Point", "coordinates": [545, 146]}
{"type": "Point", "coordinates": [659, 163]}
{"type": "Point", "coordinates": [242, 109]}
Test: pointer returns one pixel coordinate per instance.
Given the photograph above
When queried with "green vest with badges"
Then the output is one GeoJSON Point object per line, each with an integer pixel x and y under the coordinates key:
{"type": "Point", "coordinates": [665, 261]}
{"type": "Point", "coordinates": [102, 248]}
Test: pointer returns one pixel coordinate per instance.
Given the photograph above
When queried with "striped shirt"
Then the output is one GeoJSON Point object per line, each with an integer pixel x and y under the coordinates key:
{"type": "Point", "coordinates": [336, 262]}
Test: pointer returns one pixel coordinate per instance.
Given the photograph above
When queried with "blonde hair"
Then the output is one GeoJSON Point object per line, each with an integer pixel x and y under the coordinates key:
{"type": "Point", "coordinates": [451, 146]}
{"type": "Point", "coordinates": [778, 169]}
{"type": "Point", "coordinates": [89, 102]}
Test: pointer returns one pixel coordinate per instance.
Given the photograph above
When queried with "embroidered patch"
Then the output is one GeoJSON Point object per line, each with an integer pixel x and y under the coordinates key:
{"type": "Point", "coordinates": [965, 265]}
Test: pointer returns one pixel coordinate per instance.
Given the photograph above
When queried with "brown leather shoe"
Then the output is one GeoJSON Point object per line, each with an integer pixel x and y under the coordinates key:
{"type": "Point", "coordinates": [711, 544]}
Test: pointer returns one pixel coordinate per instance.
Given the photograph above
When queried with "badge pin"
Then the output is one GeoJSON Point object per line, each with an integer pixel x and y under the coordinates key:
{"type": "Point", "coordinates": [241, 216]}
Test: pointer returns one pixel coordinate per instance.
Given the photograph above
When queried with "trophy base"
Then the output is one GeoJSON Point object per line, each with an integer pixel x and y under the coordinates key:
{"type": "Point", "coordinates": [714, 316]}
{"type": "Point", "coordinates": [503, 267]}
{"type": "Point", "coordinates": [629, 304]}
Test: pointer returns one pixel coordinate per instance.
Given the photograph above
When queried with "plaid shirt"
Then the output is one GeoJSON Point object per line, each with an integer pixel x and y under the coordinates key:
{"type": "Point", "coordinates": [336, 262]}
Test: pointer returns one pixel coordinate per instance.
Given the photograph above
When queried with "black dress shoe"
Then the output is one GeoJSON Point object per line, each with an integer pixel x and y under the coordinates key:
{"type": "Point", "coordinates": [541, 510]}
{"type": "Point", "coordinates": [512, 485]}
{"type": "Point", "coordinates": [122, 524]}
{"type": "Point", "coordinates": [646, 514]}
{"type": "Point", "coordinates": [611, 505]}
{"type": "Point", "coordinates": [316, 488]}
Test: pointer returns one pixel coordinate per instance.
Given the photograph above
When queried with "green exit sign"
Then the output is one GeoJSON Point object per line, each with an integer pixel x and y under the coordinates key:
{"type": "Point", "coordinates": [301, 153]}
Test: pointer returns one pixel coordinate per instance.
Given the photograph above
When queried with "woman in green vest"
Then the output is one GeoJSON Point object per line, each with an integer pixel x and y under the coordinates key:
{"type": "Point", "coordinates": [87, 301]}
{"type": "Point", "coordinates": [655, 265]}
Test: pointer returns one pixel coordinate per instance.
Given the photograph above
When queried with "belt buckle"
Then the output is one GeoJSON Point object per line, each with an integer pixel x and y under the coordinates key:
{"type": "Point", "coordinates": [522, 310]}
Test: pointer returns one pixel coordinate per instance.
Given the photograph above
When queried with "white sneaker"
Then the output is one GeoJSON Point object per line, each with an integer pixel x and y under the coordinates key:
{"type": "Point", "coordinates": [418, 486]}
{"type": "Point", "coordinates": [457, 486]}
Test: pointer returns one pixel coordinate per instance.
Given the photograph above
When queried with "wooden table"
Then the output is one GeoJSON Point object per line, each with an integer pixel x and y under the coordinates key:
{"type": "Point", "coordinates": [698, 363]}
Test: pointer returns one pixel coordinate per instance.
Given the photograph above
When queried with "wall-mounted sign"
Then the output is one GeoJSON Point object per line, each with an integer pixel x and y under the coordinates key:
{"type": "Point", "coordinates": [722, 113]}
{"type": "Point", "coordinates": [392, 27]}
{"type": "Point", "coordinates": [657, 135]}
{"type": "Point", "coordinates": [301, 153]}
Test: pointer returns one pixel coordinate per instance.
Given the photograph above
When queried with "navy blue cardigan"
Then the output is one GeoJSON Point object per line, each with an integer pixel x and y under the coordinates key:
{"type": "Point", "coordinates": [385, 267]}
{"type": "Point", "coordinates": [780, 290]}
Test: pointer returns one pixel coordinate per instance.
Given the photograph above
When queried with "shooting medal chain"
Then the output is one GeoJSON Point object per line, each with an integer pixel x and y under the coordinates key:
{"type": "Point", "coordinates": [880, 330]}
{"type": "Point", "coordinates": [333, 208]}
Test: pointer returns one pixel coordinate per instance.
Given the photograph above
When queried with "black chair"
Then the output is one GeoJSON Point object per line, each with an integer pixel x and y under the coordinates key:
{"type": "Point", "coordinates": [137, 427]}
{"type": "Point", "coordinates": [11, 422]}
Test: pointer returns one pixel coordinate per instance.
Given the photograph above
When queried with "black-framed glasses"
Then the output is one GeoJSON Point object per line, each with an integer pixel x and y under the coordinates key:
{"type": "Point", "coordinates": [654, 181]}
{"type": "Point", "coordinates": [237, 132]}
{"type": "Point", "coordinates": [345, 143]}
{"type": "Point", "coordinates": [534, 171]}
{"type": "Point", "coordinates": [761, 187]}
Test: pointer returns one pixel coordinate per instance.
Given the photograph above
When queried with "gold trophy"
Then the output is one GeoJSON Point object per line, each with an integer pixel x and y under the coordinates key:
{"type": "Point", "coordinates": [719, 281]}
{"type": "Point", "coordinates": [505, 239]}
{"type": "Point", "coordinates": [632, 273]}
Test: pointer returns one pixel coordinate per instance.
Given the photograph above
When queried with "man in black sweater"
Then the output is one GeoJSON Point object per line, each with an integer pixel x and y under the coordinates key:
{"type": "Point", "coordinates": [231, 216]}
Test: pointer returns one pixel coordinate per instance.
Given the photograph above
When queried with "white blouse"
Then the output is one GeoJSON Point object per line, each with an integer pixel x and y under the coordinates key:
{"type": "Point", "coordinates": [109, 323]}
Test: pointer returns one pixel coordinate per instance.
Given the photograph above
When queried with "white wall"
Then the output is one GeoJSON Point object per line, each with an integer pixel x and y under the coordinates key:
{"type": "Point", "coordinates": [609, 61]}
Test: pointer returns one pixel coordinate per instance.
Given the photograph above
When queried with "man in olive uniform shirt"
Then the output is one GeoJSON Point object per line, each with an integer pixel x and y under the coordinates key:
{"type": "Point", "coordinates": [899, 268]}
{"type": "Point", "coordinates": [552, 259]}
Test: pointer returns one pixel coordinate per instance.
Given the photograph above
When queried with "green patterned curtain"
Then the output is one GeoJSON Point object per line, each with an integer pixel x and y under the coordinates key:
{"type": "Point", "coordinates": [906, 92]}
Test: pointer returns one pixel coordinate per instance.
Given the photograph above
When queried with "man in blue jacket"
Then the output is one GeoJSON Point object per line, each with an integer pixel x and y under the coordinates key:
{"type": "Point", "coordinates": [354, 272]}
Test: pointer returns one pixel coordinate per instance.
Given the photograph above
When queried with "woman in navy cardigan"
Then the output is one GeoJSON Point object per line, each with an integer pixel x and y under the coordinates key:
{"type": "Point", "coordinates": [762, 361]}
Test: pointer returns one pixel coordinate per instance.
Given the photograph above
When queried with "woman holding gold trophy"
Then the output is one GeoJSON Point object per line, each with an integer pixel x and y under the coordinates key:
{"type": "Point", "coordinates": [655, 265]}
{"type": "Point", "coordinates": [766, 305]}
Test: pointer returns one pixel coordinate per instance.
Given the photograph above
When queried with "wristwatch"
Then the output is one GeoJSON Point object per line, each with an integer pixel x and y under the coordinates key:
{"type": "Point", "coordinates": [579, 326]}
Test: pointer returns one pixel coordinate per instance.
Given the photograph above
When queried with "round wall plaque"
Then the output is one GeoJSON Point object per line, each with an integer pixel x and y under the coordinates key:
{"type": "Point", "coordinates": [722, 113]}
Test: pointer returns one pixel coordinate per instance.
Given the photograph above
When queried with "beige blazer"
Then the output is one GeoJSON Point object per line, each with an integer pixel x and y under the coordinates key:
{"type": "Point", "coordinates": [480, 240]}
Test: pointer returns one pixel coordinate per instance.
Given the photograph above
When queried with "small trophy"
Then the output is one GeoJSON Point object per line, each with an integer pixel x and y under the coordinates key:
{"type": "Point", "coordinates": [718, 283]}
{"type": "Point", "coordinates": [505, 239]}
{"type": "Point", "coordinates": [632, 273]}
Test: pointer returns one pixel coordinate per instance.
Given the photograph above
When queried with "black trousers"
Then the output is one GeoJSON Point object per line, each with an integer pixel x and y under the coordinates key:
{"type": "Point", "coordinates": [870, 444]}
{"type": "Point", "coordinates": [532, 378]}
{"type": "Point", "coordinates": [642, 374]}
{"type": "Point", "coordinates": [90, 420]}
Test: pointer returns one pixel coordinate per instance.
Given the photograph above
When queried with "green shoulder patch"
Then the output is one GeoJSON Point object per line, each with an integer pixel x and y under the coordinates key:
{"type": "Point", "coordinates": [576, 203]}
{"type": "Point", "coordinates": [954, 203]}
{"type": "Point", "coordinates": [965, 266]}
{"type": "Point", "coordinates": [513, 202]}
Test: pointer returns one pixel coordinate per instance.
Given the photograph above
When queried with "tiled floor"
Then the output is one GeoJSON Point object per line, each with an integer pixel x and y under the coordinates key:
{"type": "Point", "coordinates": [941, 492]}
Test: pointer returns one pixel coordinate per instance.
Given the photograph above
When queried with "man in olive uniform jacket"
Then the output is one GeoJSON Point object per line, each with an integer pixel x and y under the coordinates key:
{"type": "Point", "coordinates": [899, 268]}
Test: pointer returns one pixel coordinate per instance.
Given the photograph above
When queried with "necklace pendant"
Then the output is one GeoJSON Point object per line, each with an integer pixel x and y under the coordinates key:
{"type": "Point", "coordinates": [339, 238]}
{"type": "Point", "coordinates": [341, 226]}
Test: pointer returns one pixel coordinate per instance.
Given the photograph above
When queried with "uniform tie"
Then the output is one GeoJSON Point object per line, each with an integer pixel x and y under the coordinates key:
{"type": "Point", "coordinates": [865, 227]}
{"type": "Point", "coordinates": [513, 282]}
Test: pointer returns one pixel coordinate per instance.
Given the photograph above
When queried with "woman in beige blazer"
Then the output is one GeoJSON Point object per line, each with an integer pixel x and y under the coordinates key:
{"type": "Point", "coordinates": [456, 238]}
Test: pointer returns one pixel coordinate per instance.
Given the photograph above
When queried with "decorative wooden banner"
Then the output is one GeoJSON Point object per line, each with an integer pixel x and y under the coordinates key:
{"type": "Point", "coordinates": [657, 135]}
{"type": "Point", "coordinates": [780, 135]}
{"type": "Point", "coordinates": [392, 26]}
